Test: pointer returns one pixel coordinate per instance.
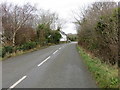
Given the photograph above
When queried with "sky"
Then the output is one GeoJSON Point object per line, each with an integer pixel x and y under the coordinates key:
{"type": "Point", "coordinates": [63, 7]}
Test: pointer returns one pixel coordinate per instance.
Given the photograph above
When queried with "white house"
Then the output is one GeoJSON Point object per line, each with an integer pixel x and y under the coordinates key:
{"type": "Point", "coordinates": [64, 36]}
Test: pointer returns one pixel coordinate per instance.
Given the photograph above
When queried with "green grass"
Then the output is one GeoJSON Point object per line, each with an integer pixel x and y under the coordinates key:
{"type": "Point", "coordinates": [106, 76]}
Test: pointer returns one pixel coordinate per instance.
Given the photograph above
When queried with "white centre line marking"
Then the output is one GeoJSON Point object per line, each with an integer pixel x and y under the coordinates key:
{"type": "Point", "coordinates": [44, 61]}
{"type": "Point", "coordinates": [60, 48]}
{"type": "Point", "coordinates": [20, 80]}
{"type": "Point", "coordinates": [55, 51]}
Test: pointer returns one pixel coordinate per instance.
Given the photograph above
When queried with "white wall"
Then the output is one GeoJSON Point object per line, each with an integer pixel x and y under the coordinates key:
{"type": "Point", "coordinates": [64, 37]}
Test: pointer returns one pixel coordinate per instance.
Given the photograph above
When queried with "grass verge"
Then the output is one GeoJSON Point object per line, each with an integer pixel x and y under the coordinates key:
{"type": "Point", "coordinates": [27, 51]}
{"type": "Point", "coordinates": [22, 52]}
{"type": "Point", "coordinates": [106, 76]}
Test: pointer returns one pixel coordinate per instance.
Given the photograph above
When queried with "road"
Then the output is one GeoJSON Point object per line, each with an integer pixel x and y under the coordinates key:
{"type": "Point", "coordinates": [58, 66]}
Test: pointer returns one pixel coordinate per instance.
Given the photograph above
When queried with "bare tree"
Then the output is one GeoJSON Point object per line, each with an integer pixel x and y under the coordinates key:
{"type": "Point", "coordinates": [98, 29]}
{"type": "Point", "coordinates": [14, 17]}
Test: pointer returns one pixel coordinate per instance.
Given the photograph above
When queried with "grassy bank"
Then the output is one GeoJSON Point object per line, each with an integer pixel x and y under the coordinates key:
{"type": "Point", "coordinates": [106, 76]}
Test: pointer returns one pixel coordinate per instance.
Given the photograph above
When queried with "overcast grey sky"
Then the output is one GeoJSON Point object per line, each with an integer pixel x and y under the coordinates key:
{"type": "Point", "coordinates": [62, 7]}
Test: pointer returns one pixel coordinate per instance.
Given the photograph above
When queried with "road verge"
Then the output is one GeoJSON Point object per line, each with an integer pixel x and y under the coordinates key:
{"type": "Point", "coordinates": [22, 52]}
{"type": "Point", "coordinates": [106, 76]}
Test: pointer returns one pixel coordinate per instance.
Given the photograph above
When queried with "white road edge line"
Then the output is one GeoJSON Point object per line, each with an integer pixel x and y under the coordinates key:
{"type": "Point", "coordinates": [20, 80]}
{"type": "Point", "coordinates": [44, 61]}
{"type": "Point", "coordinates": [55, 51]}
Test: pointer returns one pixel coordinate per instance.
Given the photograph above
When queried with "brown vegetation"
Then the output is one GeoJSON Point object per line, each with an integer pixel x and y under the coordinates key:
{"type": "Point", "coordinates": [98, 30]}
{"type": "Point", "coordinates": [25, 27]}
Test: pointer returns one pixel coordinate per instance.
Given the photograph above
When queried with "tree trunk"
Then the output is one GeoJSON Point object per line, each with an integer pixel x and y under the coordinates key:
{"type": "Point", "coordinates": [13, 39]}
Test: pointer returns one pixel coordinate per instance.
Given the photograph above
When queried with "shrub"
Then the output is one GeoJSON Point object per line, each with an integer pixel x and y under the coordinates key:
{"type": "Point", "coordinates": [18, 48]}
{"type": "Point", "coordinates": [9, 49]}
{"type": "Point", "coordinates": [28, 45]}
{"type": "Point", "coordinates": [49, 44]}
{"type": "Point", "coordinates": [6, 49]}
{"type": "Point", "coordinates": [101, 36]}
{"type": "Point", "coordinates": [2, 52]}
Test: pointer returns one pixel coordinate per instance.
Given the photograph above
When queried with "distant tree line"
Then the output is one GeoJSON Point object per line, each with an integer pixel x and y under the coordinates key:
{"type": "Point", "coordinates": [24, 27]}
{"type": "Point", "coordinates": [72, 37]}
{"type": "Point", "coordinates": [97, 28]}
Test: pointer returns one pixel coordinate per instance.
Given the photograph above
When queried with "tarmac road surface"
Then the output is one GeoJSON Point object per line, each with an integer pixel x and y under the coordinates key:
{"type": "Point", "coordinates": [58, 66]}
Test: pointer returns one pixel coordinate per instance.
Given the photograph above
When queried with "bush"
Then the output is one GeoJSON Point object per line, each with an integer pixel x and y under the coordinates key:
{"type": "Point", "coordinates": [6, 49]}
{"type": "Point", "coordinates": [49, 44]}
{"type": "Point", "coordinates": [9, 49]}
{"type": "Point", "coordinates": [2, 52]}
{"type": "Point", "coordinates": [18, 48]}
{"type": "Point", "coordinates": [28, 45]}
{"type": "Point", "coordinates": [101, 36]}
